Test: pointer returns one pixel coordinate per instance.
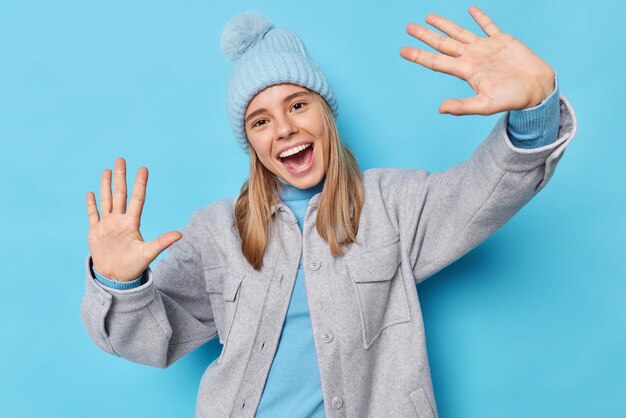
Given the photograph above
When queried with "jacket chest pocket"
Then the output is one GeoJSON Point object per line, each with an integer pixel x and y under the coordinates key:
{"type": "Point", "coordinates": [379, 289]}
{"type": "Point", "coordinates": [223, 287]}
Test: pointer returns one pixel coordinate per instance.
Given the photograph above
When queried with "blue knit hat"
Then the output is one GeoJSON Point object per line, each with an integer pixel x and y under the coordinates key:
{"type": "Point", "coordinates": [262, 56]}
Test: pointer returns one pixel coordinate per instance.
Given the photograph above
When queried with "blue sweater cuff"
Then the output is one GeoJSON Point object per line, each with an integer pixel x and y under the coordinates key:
{"type": "Point", "coordinates": [116, 284]}
{"type": "Point", "coordinates": [536, 126]}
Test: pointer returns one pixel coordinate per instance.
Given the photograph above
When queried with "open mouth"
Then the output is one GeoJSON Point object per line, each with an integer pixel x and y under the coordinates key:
{"type": "Point", "coordinates": [297, 159]}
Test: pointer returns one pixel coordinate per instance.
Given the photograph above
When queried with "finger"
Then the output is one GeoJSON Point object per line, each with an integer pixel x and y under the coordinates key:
{"type": "Point", "coordinates": [105, 193]}
{"type": "Point", "coordinates": [92, 210]}
{"type": "Point", "coordinates": [158, 245]}
{"type": "Point", "coordinates": [451, 29]}
{"type": "Point", "coordinates": [138, 197]}
{"type": "Point", "coordinates": [441, 43]}
{"type": "Point", "coordinates": [477, 105]}
{"type": "Point", "coordinates": [435, 62]}
{"type": "Point", "coordinates": [119, 186]}
{"type": "Point", "coordinates": [484, 21]}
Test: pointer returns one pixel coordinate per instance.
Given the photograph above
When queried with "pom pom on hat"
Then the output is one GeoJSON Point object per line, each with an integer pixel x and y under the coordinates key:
{"type": "Point", "coordinates": [243, 31]}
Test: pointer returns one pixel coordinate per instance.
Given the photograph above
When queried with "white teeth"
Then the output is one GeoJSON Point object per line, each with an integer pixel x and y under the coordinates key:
{"type": "Point", "coordinates": [293, 150]}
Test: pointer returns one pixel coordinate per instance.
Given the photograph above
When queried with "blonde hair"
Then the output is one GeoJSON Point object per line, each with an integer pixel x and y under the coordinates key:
{"type": "Point", "coordinates": [339, 208]}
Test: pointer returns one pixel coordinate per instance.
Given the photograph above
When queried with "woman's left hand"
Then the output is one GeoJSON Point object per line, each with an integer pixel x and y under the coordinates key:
{"type": "Point", "coordinates": [504, 73]}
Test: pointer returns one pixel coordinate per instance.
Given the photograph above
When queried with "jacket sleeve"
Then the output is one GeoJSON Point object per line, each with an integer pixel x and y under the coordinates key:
{"type": "Point", "coordinates": [161, 320]}
{"type": "Point", "coordinates": [444, 215]}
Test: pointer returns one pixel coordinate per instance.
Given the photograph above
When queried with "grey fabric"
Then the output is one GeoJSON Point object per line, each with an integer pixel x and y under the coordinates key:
{"type": "Point", "coordinates": [365, 311]}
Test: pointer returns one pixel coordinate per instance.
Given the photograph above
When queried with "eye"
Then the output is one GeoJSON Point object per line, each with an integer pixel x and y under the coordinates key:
{"type": "Point", "coordinates": [258, 123]}
{"type": "Point", "coordinates": [298, 106]}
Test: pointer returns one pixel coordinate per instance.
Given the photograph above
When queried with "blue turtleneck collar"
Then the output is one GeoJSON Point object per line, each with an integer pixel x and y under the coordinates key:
{"type": "Point", "coordinates": [290, 193]}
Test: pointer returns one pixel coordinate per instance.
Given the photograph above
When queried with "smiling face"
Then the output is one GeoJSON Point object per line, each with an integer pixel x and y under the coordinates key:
{"type": "Point", "coordinates": [285, 126]}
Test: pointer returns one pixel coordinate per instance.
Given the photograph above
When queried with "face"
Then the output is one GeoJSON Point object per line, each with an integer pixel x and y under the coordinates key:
{"type": "Point", "coordinates": [286, 129]}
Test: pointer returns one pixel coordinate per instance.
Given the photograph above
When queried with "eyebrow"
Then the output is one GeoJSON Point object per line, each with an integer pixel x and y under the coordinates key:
{"type": "Point", "coordinates": [286, 99]}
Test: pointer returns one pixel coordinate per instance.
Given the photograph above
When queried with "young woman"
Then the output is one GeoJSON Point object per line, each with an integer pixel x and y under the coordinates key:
{"type": "Point", "coordinates": [308, 277]}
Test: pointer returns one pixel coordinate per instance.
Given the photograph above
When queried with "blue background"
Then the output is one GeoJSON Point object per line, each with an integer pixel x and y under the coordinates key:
{"type": "Point", "coordinates": [530, 323]}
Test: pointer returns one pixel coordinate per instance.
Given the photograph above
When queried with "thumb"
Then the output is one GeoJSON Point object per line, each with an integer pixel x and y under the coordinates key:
{"type": "Point", "coordinates": [160, 244]}
{"type": "Point", "coordinates": [477, 105]}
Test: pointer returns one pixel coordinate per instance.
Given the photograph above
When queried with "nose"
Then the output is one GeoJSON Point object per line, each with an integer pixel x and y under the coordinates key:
{"type": "Point", "coordinates": [285, 127]}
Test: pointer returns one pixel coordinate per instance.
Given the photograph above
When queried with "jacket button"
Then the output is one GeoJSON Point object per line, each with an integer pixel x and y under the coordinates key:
{"type": "Point", "coordinates": [327, 336]}
{"type": "Point", "coordinates": [315, 265]}
{"type": "Point", "coordinates": [337, 402]}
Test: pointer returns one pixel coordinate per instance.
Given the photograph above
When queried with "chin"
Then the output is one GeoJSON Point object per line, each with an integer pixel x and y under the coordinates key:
{"type": "Point", "coordinates": [304, 182]}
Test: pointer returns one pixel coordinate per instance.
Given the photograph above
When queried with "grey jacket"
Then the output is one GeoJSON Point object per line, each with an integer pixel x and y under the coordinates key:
{"type": "Point", "coordinates": [364, 308]}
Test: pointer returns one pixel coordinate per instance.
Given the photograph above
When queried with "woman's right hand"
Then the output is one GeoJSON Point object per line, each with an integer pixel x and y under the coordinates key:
{"type": "Point", "coordinates": [117, 248]}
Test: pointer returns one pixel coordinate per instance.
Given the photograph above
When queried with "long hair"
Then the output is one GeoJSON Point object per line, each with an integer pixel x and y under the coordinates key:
{"type": "Point", "coordinates": [339, 208]}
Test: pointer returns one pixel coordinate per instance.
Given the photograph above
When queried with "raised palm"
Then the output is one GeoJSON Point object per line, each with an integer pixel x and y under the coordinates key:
{"type": "Point", "coordinates": [117, 248]}
{"type": "Point", "coordinates": [504, 73]}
